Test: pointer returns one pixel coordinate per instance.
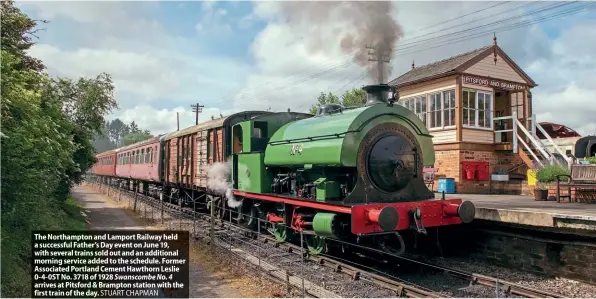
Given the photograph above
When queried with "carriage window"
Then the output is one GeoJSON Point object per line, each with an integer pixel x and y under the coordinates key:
{"type": "Point", "coordinates": [142, 156]}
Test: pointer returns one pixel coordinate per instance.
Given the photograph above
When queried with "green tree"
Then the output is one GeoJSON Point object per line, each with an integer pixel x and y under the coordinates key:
{"type": "Point", "coordinates": [323, 99]}
{"type": "Point", "coordinates": [46, 132]}
{"type": "Point", "coordinates": [133, 128]}
{"type": "Point", "coordinates": [117, 130]}
{"type": "Point", "coordinates": [133, 138]}
{"type": "Point", "coordinates": [102, 142]}
{"type": "Point", "coordinates": [85, 102]}
{"type": "Point", "coordinates": [352, 98]}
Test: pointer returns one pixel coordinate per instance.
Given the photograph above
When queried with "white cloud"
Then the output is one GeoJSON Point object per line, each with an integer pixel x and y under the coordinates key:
{"type": "Point", "coordinates": [282, 49]}
{"type": "Point", "coordinates": [160, 121]}
{"type": "Point", "coordinates": [148, 64]}
{"type": "Point", "coordinates": [563, 68]}
{"type": "Point", "coordinates": [566, 95]}
{"type": "Point", "coordinates": [214, 22]}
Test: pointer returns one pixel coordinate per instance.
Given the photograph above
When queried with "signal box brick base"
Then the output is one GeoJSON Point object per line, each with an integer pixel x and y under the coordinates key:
{"type": "Point", "coordinates": [451, 162]}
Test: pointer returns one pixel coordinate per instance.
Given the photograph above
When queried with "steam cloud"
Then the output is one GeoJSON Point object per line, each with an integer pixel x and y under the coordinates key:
{"type": "Point", "coordinates": [372, 23]}
{"type": "Point", "coordinates": [218, 181]}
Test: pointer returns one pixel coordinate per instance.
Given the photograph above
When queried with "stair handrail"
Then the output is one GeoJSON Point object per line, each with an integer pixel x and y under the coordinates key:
{"type": "Point", "coordinates": [533, 140]}
{"type": "Point", "coordinates": [529, 150]}
{"type": "Point", "coordinates": [552, 142]}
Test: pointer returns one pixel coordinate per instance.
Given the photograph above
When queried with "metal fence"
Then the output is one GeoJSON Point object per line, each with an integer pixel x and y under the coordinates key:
{"type": "Point", "coordinates": [255, 250]}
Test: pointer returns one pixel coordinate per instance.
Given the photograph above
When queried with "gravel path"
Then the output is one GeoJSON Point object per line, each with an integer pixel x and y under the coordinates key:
{"type": "Point", "coordinates": [103, 215]}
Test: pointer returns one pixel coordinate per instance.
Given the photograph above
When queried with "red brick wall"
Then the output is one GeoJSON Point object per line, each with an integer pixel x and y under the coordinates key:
{"type": "Point", "coordinates": [576, 194]}
{"type": "Point", "coordinates": [449, 163]}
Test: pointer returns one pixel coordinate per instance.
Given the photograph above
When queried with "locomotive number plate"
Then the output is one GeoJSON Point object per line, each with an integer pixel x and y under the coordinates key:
{"type": "Point", "coordinates": [296, 149]}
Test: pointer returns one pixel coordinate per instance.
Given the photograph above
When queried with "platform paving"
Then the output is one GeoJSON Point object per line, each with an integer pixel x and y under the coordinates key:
{"type": "Point", "coordinates": [524, 210]}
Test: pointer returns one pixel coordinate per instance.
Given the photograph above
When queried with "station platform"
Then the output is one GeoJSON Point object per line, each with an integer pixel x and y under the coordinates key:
{"type": "Point", "coordinates": [524, 210]}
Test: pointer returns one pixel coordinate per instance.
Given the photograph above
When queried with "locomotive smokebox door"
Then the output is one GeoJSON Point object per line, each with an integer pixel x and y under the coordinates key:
{"type": "Point", "coordinates": [390, 166]}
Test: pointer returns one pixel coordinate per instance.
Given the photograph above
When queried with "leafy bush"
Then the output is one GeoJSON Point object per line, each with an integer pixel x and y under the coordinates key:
{"type": "Point", "coordinates": [549, 173]}
{"type": "Point", "coordinates": [592, 160]}
{"type": "Point", "coordinates": [45, 134]}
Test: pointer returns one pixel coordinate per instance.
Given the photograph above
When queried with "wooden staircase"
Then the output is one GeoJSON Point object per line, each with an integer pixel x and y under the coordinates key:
{"type": "Point", "coordinates": [533, 151]}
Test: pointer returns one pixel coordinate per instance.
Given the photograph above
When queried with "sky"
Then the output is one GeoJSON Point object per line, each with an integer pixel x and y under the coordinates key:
{"type": "Point", "coordinates": [237, 55]}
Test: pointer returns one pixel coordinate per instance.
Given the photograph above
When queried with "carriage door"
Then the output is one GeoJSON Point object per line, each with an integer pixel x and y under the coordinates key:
{"type": "Point", "coordinates": [236, 149]}
{"type": "Point", "coordinates": [203, 142]}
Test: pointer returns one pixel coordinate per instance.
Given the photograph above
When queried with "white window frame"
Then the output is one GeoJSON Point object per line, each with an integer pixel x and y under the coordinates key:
{"type": "Point", "coordinates": [427, 97]}
{"type": "Point", "coordinates": [417, 100]}
{"type": "Point", "coordinates": [490, 109]}
{"type": "Point", "coordinates": [453, 109]}
{"type": "Point", "coordinates": [431, 113]}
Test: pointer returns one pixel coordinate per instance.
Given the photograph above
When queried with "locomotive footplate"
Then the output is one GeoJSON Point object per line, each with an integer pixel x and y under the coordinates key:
{"type": "Point", "coordinates": [386, 217]}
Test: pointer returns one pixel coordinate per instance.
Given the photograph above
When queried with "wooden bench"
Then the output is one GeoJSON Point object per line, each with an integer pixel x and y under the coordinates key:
{"type": "Point", "coordinates": [582, 178]}
{"type": "Point", "coordinates": [429, 177]}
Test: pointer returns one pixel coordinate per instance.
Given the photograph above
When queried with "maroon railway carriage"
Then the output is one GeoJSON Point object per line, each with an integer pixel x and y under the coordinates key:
{"type": "Point", "coordinates": [140, 161]}
{"type": "Point", "coordinates": [106, 164]}
{"type": "Point", "coordinates": [188, 153]}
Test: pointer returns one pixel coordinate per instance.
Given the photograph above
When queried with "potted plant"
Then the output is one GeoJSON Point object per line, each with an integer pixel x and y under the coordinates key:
{"type": "Point", "coordinates": [544, 176]}
{"type": "Point", "coordinates": [541, 191]}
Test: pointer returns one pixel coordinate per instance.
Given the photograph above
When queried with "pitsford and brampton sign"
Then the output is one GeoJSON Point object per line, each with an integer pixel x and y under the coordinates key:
{"type": "Point", "coordinates": [492, 83]}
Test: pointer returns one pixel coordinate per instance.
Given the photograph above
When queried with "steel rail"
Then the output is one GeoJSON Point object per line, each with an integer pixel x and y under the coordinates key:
{"type": "Point", "coordinates": [401, 289]}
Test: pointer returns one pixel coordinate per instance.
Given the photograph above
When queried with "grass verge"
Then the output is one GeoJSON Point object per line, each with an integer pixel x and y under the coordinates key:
{"type": "Point", "coordinates": [16, 231]}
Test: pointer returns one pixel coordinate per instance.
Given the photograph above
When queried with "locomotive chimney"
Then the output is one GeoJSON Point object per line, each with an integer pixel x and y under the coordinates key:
{"type": "Point", "coordinates": [378, 94]}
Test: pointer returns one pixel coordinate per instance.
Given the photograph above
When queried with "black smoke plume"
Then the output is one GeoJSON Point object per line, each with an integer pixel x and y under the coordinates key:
{"type": "Point", "coordinates": [371, 21]}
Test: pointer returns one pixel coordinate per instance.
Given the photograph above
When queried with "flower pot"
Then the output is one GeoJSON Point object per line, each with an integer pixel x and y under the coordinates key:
{"type": "Point", "coordinates": [540, 195]}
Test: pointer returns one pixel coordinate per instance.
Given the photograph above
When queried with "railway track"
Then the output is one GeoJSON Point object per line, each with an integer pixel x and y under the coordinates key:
{"type": "Point", "coordinates": [348, 269]}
